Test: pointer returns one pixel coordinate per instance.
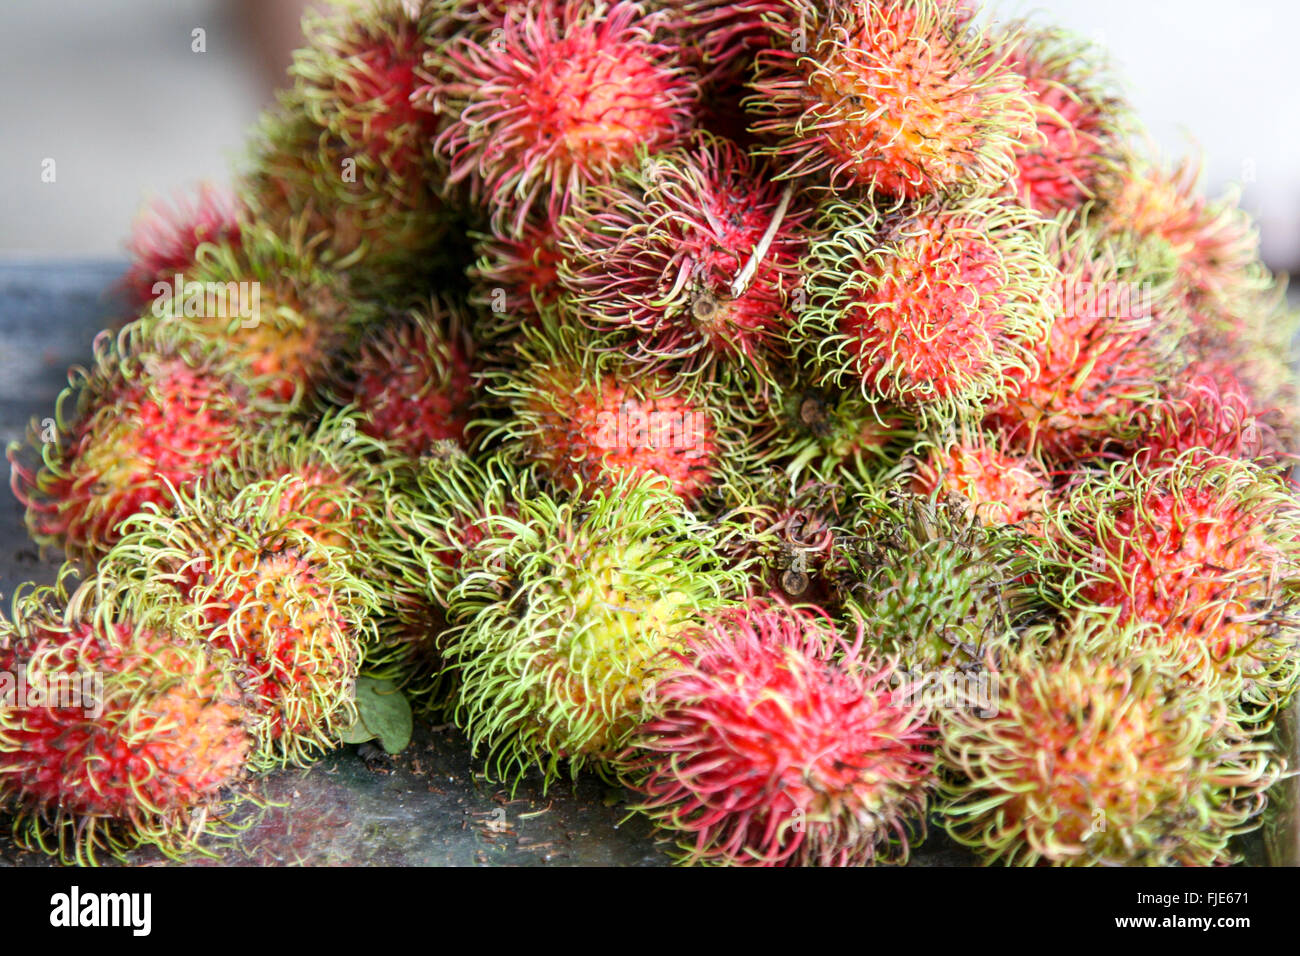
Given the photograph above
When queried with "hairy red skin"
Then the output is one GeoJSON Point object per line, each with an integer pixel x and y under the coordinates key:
{"type": "Point", "coordinates": [414, 389]}
{"type": "Point", "coordinates": [942, 324]}
{"type": "Point", "coordinates": [524, 268]}
{"type": "Point", "coordinates": [1193, 563]}
{"type": "Point", "coordinates": [375, 97]}
{"type": "Point", "coordinates": [688, 242]}
{"type": "Point", "coordinates": [880, 100]}
{"type": "Point", "coordinates": [166, 741]}
{"type": "Point", "coordinates": [770, 752]}
{"type": "Point", "coordinates": [559, 99]}
{"type": "Point", "coordinates": [162, 428]}
{"type": "Point", "coordinates": [596, 435]}
{"type": "Point", "coordinates": [1091, 374]}
{"type": "Point", "coordinates": [1064, 170]}
{"type": "Point", "coordinates": [166, 237]}
{"type": "Point", "coordinates": [1003, 488]}
{"type": "Point", "coordinates": [1209, 413]}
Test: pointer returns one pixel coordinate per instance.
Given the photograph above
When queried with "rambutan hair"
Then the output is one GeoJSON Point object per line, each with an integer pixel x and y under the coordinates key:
{"type": "Point", "coordinates": [565, 95]}
{"type": "Point", "coordinates": [585, 418]}
{"type": "Point", "coordinates": [1000, 486]}
{"type": "Point", "coordinates": [1113, 342]}
{"type": "Point", "coordinates": [904, 99]}
{"type": "Point", "coordinates": [138, 732]}
{"type": "Point", "coordinates": [779, 743]}
{"type": "Point", "coordinates": [933, 585]}
{"type": "Point", "coordinates": [1098, 756]}
{"type": "Point", "coordinates": [934, 308]}
{"type": "Point", "coordinates": [693, 256]}
{"type": "Point", "coordinates": [1082, 124]}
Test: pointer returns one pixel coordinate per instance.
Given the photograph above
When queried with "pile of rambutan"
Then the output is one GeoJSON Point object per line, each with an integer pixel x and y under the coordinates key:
{"type": "Point", "coordinates": [817, 416]}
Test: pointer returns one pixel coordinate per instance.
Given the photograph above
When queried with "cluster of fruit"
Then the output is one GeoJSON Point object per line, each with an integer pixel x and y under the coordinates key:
{"type": "Point", "coordinates": [816, 415]}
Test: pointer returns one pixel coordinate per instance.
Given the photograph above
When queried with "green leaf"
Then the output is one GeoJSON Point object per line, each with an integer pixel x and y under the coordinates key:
{"type": "Point", "coordinates": [383, 713]}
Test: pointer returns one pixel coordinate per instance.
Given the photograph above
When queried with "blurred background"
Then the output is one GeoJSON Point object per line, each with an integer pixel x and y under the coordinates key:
{"type": "Point", "coordinates": [119, 95]}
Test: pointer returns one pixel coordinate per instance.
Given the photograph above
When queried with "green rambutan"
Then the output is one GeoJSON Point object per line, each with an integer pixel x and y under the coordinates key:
{"type": "Point", "coordinates": [1204, 548]}
{"type": "Point", "coordinates": [933, 585]}
{"type": "Point", "coordinates": [118, 728]}
{"type": "Point", "coordinates": [156, 410]}
{"type": "Point", "coordinates": [831, 436]}
{"type": "Point", "coordinates": [903, 98]}
{"type": "Point", "coordinates": [413, 378]}
{"type": "Point", "coordinates": [586, 418]}
{"type": "Point", "coordinates": [692, 256]}
{"type": "Point", "coordinates": [568, 92]}
{"type": "Point", "coordinates": [568, 612]}
{"type": "Point", "coordinates": [285, 605]}
{"type": "Point", "coordinates": [778, 743]}
{"type": "Point", "coordinates": [269, 303]}
{"type": "Point", "coordinates": [349, 146]}
{"type": "Point", "coordinates": [433, 520]}
{"type": "Point", "coordinates": [1094, 757]}
{"type": "Point", "coordinates": [933, 309]}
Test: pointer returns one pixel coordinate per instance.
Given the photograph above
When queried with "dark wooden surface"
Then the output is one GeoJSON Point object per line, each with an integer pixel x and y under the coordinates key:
{"type": "Point", "coordinates": [429, 805]}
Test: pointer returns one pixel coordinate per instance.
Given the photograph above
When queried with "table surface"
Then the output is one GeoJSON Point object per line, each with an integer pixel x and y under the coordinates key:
{"type": "Point", "coordinates": [430, 805]}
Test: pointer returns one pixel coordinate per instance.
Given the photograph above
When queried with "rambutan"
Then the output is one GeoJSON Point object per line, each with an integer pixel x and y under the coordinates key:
{"type": "Point", "coordinates": [268, 302]}
{"type": "Point", "coordinates": [1099, 758]}
{"type": "Point", "coordinates": [155, 411]}
{"type": "Point", "coordinates": [933, 309]}
{"type": "Point", "coordinates": [117, 727]}
{"type": "Point", "coordinates": [1204, 548]}
{"type": "Point", "coordinates": [568, 612]}
{"type": "Point", "coordinates": [434, 520]}
{"type": "Point", "coordinates": [349, 146]}
{"type": "Point", "coordinates": [1002, 488]}
{"type": "Point", "coordinates": [166, 236]}
{"type": "Point", "coordinates": [586, 418]}
{"type": "Point", "coordinates": [720, 38]}
{"type": "Point", "coordinates": [285, 605]}
{"type": "Point", "coordinates": [1208, 412]}
{"type": "Point", "coordinates": [413, 379]}
{"type": "Point", "coordinates": [694, 256]}
{"type": "Point", "coordinates": [778, 743]}
{"type": "Point", "coordinates": [1081, 124]}
{"type": "Point", "coordinates": [903, 98]}
{"type": "Point", "coordinates": [1213, 244]}
{"type": "Point", "coordinates": [1113, 341]}
{"type": "Point", "coordinates": [567, 93]}
{"type": "Point", "coordinates": [933, 585]}
{"type": "Point", "coordinates": [515, 278]}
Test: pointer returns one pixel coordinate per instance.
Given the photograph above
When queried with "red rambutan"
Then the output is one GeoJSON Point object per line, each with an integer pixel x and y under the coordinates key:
{"type": "Point", "coordinates": [779, 743]}
{"type": "Point", "coordinates": [154, 412]}
{"type": "Point", "coordinates": [1002, 488]}
{"type": "Point", "coordinates": [125, 729]}
{"type": "Point", "coordinates": [413, 379]}
{"type": "Point", "coordinates": [904, 98]}
{"type": "Point", "coordinates": [695, 254]}
{"type": "Point", "coordinates": [567, 93]}
{"type": "Point", "coordinates": [933, 309]}
{"type": "Point", "coordinates": [165, 238]}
